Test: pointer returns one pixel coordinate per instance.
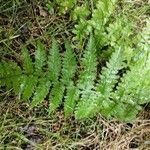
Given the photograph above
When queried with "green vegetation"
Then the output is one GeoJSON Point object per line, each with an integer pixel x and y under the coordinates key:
{"type": "Point", "coordinates": [132, 91]}
{"type": "Point", "coordinates": [77, 61]}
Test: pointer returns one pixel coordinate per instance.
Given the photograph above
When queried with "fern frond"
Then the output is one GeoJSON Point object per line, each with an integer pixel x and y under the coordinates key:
{"type": "Point", "coordinates": [86, 78]}
{"type": "Point", "coordinates": [70, 100]}
{"type": "Point", "coordinates": [144, 96]}
{"type": "Point", "coordinates": [145, 36]}
{"type": "Point", "coordinates": [80, 12]}
{"type": "Point", "coordinates": [1, 74]}
{"type": "Point", "coordinates": [41, 91]}
{"type": "Point", "coordinates": [137, 79]}
{"type": "Point", "coordinates": [68, 71]}
{"type": "Point", "coordinates": [56, 96]}
{"type": "Point", "coordinates": [87, 107]}
{"type": "Point", "coordinates": [27, 62]}
{"type": "Point", "coordinates": [133, 82]}
{"type": "Point", "coordinates": [134, 88]}
{"type": "Point", "coordinates": [10, 75]}
{"type": "Point", "coordinates": [126, 112]}
{"type": "Point", "coordinates": [108, 77]}
{"type": "Point", "coordinates": [119, 32]}
{"type": "Point", "coordinates": [100, 15]}
{"type": "Point", "coordinates": [88, 65]}
{"type": "Point", "coordinates": [28, 86]}
{"type": "Point", "coordinates": [54, 62]}
{"type": "Point", "coordinates": [40, 58]}
{"type": "Point", "coordinates": [69, 65]}
{"type": "Point", "coordinates": [80, 30]}
{"type": "Point", "coordinates": [4, 73]}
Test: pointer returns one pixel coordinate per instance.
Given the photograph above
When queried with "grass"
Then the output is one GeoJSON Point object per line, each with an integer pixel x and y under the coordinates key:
{"type": "Point", "coordinates": [21, 128]}
{"type": "Point", "coordinates": [22, 22]}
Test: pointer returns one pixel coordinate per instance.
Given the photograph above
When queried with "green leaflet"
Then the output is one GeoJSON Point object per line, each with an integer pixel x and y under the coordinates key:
{"type": "Point", "coordinates": [87, 107]}
{"type": "Point", "coordinates": [126, 112]}
{"type": "Point", "coordinates": [137, 80]}
{"type": "Point", "coordinates": [88, 63]}
{"type": "Point", "coordinates": [56, 96]}
{"type": "Point", "coordinates": [86, 81]}
{"type": "Point", "coordinates": [70, 100]}
{"type": "Point", "coordinates": [108, 76]}
{"type": "Point", "coordinates": [27, 61]}
{"type": "Point", "coordinates": [80, 12]}
{"type": "Point", "coordinates": [69, 65]}
{"type": "Point", "coordinates": [28, 86]}
{"type": "Point", "coordinates": [65, 5]}
{"type": "Point", "coordinates": [10, 74]}
{"type": "Point", "coordinates": [143, 95]}
{"type": "Point", "coordinates": [6, 73]}
{"type": "Point", "coordinates": [119, 32]}
{"type": "Point", "coordinates": [54, 62]}
{"type": "Point", "coordinates": [81, 30]}
{"type": "Point", "coordinates": [41, 91]}
{"type": "Point", "coordinates": [40, 58]}
{"type": "Point", "coordinates": [68, 71]}
{"type": "Point", "coordinates": [101, 101]}
{"type": "Point", "coordinates": [108, 79]}
{"type": "Point", "coordinates": [133, 82]}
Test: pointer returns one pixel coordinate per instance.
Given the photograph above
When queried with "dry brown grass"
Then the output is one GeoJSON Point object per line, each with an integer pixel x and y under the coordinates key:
{"type": "Point", "coordinates": [118, 136]}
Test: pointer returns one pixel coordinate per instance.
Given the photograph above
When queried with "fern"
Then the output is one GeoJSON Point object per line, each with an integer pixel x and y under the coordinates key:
{"type": "Point", "coordinates": [108, 77]}
{"type": "Point", "coordinates": [119, 32]}
{"type": "Point", "coordinates": [77, 87]}
{"type": "Point", "coordinates": [134, 88]}
{"type": "Point", "coordinates": [56, 96]}
{"type": "Point", "coordinates": [27, 86]}
{"type": "Point", "coordinates": [70, 100]}
{"type": "Point", "coordinates": [40, 58]}
{"type": "Point", "coordinates": [54, 68]}
{"type": "Point", "coordinates": [68, 71]}
{"type": "Point", "coordinates": [69, 65]}
{"type": "Point", "coordinates": [28, 81]}
{"type": "Point", "coordinates": [65, 5]}
{"type": "Point", "coordinates": [80, 12]}
{"type": "Point", "coordinates": [41, 91]}
{"type": "Point", "coordinates": [27, 61]}
{"type": "Point", "coordinates": [13, 71]}
{"type": "Point", "coordinates": [35, 70]}
{"type": "Point", "coordinates": [99, 17]}
{"type": "Point", "coordinates": [100, 99]}
{"type": "Point", "coordinates": [133, 81]}
{"type": "Point", "coordinates": [125, 112]}
{"type": "Point", "coordinates": [87, 107]}
{"type": "Point", "coordinates": [81, 30]}
{"type": "Point", "coordinates": [144, 90]}
{"type": "Point", "coordinates": [54, 62]}
{"type": "Point", "coordinates": [24, 81]}
{"type": "Point", "coordinates": [86, 78]}
{"type": "Point", "coordinates": [88, 70]}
